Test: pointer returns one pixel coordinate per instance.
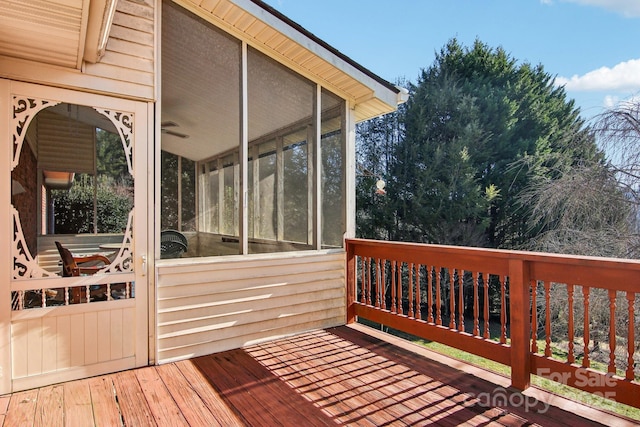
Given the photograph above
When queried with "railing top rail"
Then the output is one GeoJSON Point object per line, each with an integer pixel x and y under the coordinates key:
{"type": "Point", "coordinates": [506, 254]}
{"type": "Point", "coordinates": [608, 273]}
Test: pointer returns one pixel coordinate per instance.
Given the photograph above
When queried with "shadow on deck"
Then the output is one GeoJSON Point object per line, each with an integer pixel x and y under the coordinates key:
{"type": "Point", "coordinates": [342, 376]}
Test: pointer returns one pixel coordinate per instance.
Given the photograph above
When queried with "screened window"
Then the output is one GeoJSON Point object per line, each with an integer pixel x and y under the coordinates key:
{"type": "Point", "coordinates": [294, 165]}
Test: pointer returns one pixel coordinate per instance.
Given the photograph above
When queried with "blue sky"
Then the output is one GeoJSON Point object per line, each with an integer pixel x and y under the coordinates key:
{"type": "Point", "coordinates": [591, 46]}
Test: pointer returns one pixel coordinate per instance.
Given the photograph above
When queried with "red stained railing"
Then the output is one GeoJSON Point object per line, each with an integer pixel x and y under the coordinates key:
{"type": "Point", "coordinates": [567, 318]}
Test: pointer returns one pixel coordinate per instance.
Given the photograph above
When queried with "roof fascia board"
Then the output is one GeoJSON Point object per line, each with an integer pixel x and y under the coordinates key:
{"type": "Point", "coordinates": [381, 88]}
{"type": "Point", "coordinates": [100, 16]}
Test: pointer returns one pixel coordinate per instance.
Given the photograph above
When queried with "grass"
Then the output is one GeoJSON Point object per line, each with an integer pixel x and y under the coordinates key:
{"type": "Point", "coordinates": [540, 382]}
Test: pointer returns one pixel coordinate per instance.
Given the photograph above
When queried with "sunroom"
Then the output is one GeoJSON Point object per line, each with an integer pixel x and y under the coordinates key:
{"type": "Point", "coordinates": [182, 180]}
{"type": "Point", "coordinates": [281, 191]}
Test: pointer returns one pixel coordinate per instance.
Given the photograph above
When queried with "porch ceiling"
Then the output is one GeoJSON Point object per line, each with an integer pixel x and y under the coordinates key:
{"type": "Point", "coordinates": [57, 32]}
{"type": "Point", "coordinates": [269, 31]}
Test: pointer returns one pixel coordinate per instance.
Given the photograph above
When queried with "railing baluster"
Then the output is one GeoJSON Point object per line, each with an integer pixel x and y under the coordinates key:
{"type": "Point", "coordinates": [437, 271]}
{"type": "Point", "coordinates": [393, 286]}
{"type": "Point", "coordinates": [461, 300]}
{"type": "Point", "coordinates": [452, 298]}
{"type": "Point", "coordinates": [476, 314]}
{"type": "Point", "coordinates": [534, 316]}
{"type": "Point", "coordinates": [399, 283]}
{"type": "Point", "coordinates": [487, 333]}
{"type": "Point", "coordinates": [360, 284]}
{"type": "Point", "coordinates": [418, 293]}
{"type": "Point", "coordinates": [362, 279]}
{"type": "Point", "coordinates": [369, 278]}
{"type": "Point", "coordinates": [410, 313]}
{"type": "Point", "coordinates": [378, 274]}
{"type": "Point", "coordinates": [503, 309]}
{"type": "Point", "coordinates": [586, 293]}
{"type": "Point", "coordinates": [570, 326]}
{"type": "Point", "coordinates": [383, 285]}
{"type": "Point", "coordinates": [629, 374]}
{"type": "Point", "coordinates": [612, 331]}
{"type": "Point", "coordinates": [547, 320]}
{"type": "Point", "coordinates": [430, 280]}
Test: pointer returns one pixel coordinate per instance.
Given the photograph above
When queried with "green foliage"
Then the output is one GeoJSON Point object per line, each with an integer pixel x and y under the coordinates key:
{"type": "Point", "coordinates": [73, 209]}
{"type": "Point", "coordinates": [112, 193]}
{"type": "Point", "coordinates": [477, 128]}
{"type": "Point", "coordinates": [110, 158]}
{"type": "Point", "coordinates": [170, 203]}
{"type": "Point", "coordinates": [376, 141]}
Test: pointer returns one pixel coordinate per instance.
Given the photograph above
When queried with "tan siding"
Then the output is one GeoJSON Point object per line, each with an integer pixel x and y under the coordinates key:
{"type": "Point", "coordinates": [129, 52]}
{"type": "Point", "coordinates": [211, 307]}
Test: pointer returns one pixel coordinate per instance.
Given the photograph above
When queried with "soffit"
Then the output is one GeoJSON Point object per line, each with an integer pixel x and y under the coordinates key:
{"type": "Point", "coordinates": [53, 31]}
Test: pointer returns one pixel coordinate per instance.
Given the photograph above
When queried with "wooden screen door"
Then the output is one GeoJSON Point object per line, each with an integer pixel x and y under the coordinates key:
{"type": "Point", "coordinates": [79, 166]}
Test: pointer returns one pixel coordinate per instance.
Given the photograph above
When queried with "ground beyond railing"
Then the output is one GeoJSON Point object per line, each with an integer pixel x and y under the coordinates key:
{"type": "Point", "coordinates": [566, 318]}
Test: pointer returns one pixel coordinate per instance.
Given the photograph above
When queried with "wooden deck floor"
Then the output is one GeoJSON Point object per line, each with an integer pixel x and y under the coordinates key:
{"type": "Point", "coordinates": [329, 377]}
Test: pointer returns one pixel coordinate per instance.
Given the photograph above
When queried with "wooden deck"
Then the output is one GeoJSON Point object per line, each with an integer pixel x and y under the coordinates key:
{"type": "Point", "coordinates": [339, 376]}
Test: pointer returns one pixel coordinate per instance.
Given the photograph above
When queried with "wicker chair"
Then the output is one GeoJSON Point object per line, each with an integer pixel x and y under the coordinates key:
{"type": "Point", "coordinates": [172, 244]}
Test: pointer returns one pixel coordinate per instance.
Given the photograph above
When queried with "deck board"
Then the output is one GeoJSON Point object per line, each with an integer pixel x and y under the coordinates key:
{"type": "Point", "coordinates": [49, 408]}
{"type": "Point", "coordinates": [194, 410]}
{"type": "Point", "coordinates": [223, 414]}
{"type": "Point", "coordinates": [339, 376]}
{"type": "Point", "coordinates": [77, 404]}
{"type": "Point", "coordinates": [22, 408]}
{"type": "Point", "coordinates": [163, 408]}
{"type": "Point", "coordinates": [106, 411]}
{"type": "Point", "coordinates": [133, 405]}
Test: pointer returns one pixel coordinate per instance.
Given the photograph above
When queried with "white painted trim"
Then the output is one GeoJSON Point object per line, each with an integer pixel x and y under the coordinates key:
{"type": "Point", "coordinates": [350, 171]}
{"type": "Point", "coordinates": [203, 263]}
{"type": "Point", "coordinates": [142, 252]}
{"type": "Point", "coordinates": [244, 157]}
{"type": "Point", "coordinates": [317, 170]}
{"type": "Point", "coordinates": [71, 374]}
{"type": "Point", "coordinates": [155, 190]}
{"type": "Point", "coordinates": [6, 230]}
{"type": "Point", "coordinates": [51, 75]}
{"type": "Point", "coordinates": [70, 310]}
{"type": "Point", "coordinates": [153, 175]}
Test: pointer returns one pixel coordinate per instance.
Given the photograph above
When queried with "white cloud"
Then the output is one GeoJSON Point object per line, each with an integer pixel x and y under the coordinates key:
{"type": "Point", "coordinates": [628, 8]}
{"type": "Point", "coordinates": [612, 101]}
{"type": "Point", "coordinates": [624, 77]}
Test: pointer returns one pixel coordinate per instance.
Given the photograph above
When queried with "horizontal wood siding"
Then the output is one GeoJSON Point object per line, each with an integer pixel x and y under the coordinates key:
{"type": "Point", "coordinates": [211, 307]}
{"type": "Point", "coordinates": [129, 55]}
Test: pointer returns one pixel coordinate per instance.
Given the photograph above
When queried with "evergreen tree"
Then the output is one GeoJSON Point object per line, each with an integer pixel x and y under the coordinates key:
{"type": "Point", "coordinates": [477, 128]}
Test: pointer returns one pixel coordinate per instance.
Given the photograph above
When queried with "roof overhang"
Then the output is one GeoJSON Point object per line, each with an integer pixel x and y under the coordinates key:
{"type": "Point", "coordinates": [56, 32]}
{"type": "Point", "coordinates": [269, 31]}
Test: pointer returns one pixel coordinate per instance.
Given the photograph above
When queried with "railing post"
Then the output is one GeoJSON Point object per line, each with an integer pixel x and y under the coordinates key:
{"type": "Point", "coordinates": [520, 323]}
{"type": "Point", "coordinates": [350, 282]}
